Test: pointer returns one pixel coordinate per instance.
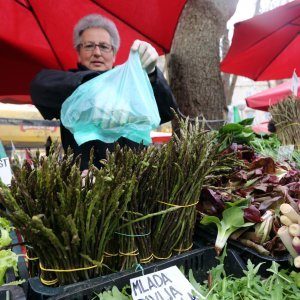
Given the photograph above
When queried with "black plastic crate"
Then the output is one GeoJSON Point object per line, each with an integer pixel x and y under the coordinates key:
{"type": "Point", "coordinates": [12, 292]}
{"type": "Point", "coordinates": [206, 236]}
{"type": "Point", "coordinates": [199, 260]}
{"type": "Point", "coordinates": [16, 241]}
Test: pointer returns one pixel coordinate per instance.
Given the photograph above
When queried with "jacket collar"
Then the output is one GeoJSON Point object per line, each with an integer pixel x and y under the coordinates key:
{"type": "Point", "coordinates": [82, 67]}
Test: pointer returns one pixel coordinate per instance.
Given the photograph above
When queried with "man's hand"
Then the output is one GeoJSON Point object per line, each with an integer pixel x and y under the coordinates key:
{"type": "Point", "coordinates": [148, 55]}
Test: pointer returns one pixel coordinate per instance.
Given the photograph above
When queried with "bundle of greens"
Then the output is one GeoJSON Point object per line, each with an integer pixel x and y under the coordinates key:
{"type": "Point", "coordinates": [183, 165]}
{"type": "Point", "coordinates": [286, 117]}
{"type": "Point", "coordinates": [67, 220]}
{"type": "Point", "coordinates": [169, 182]}
{"type": "Point", "coordinates": [142, 205]}
{"type": "Point", "coordinates": [133, 236]}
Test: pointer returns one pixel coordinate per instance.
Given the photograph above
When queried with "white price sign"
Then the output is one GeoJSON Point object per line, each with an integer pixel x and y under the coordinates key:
{"type": "Point", "coordinates": [167, 284]}
{"type": "Point", "coordinates": [5, 171]}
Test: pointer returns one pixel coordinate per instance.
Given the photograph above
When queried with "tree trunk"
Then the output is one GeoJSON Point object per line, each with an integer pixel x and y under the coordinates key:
{"type": "Point", "coordinates": [229, 80]}
{"type": "Point", "coordinates": [194, 60]}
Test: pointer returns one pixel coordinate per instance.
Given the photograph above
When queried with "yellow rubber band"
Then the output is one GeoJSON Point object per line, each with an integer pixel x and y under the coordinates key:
{"type": "Point", "coordinates": [161, 258]}
{"type": "Point", "coordinates": [133, 253]}
{"type": "Point", "coordinates": [48, 282]}
{"type": "Point", "coordinates": [146, 260]}
{"type": "Point", "coordinates": [175, 205]}
{"type": "Point", "coordinates": [184, 250]}
{"type": "Point", "coordinates": [106, 254]}
{"type": "Point", "coordinates": [70, 270]}
{"type": "Point", "coordinates": [31, 258]}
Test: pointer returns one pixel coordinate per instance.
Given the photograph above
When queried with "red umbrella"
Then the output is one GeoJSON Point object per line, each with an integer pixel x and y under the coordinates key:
{"type": "Point", "coordinates": [16, 99]}
{"type": "Point", "coordinates": [267, 46]}
{"type": "Point", "coordinates": [264, 99]}
{"type": "Point", "coordinates": [36, 34]}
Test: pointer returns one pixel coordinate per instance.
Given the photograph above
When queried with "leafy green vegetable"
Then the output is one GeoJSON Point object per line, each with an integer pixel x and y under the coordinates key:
{"type": "Point", "coordinates": [197, 286]}
{"type": "Point", "coordinates": [296, 277]}
{"type": "Point", "coordinates": [263, 229]}
{"type": "Point", "coordinates": [7, 259]}
{"type": "Point", "coordinates": [296, 157]}
{"type": "Point", "coordinates": [240, 133]}
{"type": "Point", "coordinates": [4, 223]}
{"type": "Point", "coordinates": [5, 239]}
{"type": "Point", "coordinates": [246, 122]}
{"type": "Point", "coordinates": [278, 286]}
{"type": "Point", "coordinates": [5, 228]}
{"type": "Point", "coordinates": [267, 146]}
{"type": "Point", "coordinates": [15, 282]}
{"type": "Point", "coordinates": [233, 219]}
{"type": "Point", "coordinates": [113, 294]}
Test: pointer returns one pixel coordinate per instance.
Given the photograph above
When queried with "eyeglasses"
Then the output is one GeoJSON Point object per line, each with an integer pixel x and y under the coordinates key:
{"type": "Point", "coordinates": [89, 47]}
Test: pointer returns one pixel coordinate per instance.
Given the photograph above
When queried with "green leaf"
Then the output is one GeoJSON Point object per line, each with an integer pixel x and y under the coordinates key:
{"type": "Point", "coordinates": [5, 239]}
{"type": "Point", "coordinates": [243, 203]}
{"type": "Point", "coordinates": [246, 122]}
{"type": "Point", "coordinates": [233, 216]}
{"type": "Point", "coordinates": [117, 294]}
{"type": "Point", "coordinates": [210, 219]}
{"type": "Point", "coordinates": [247, 224]}
{"type": "Point", "coordinates": [296, 277]}
{"type": "Point", "coordinates": [244, 134]}
{"type": "Point", "coordinates": [197, 286]}
{"type": "Point", "coordinates": [231, 127]}
{"type": "Point", "coordinates": [4, 223]}
{"type": "Point", "coordinates": [7, 259]}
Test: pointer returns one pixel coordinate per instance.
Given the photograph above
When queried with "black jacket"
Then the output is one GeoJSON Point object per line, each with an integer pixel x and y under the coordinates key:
{"type": "Point", "coordinates": [50, 88]}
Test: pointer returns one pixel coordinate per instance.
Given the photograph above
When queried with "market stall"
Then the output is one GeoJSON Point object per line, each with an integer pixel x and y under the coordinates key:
{"type": "Point", "coordinates": [148, 221]}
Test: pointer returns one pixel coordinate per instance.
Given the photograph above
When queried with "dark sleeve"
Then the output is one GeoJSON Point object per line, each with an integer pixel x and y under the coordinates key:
{"type": "Point", "coordinates": [164, 96]}
{"type": "Point", "coordinates": [50, 88]}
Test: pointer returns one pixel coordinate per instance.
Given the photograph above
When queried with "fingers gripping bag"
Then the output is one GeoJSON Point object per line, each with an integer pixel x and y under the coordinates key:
{"type": "Point", "coordinates": [119, 102]}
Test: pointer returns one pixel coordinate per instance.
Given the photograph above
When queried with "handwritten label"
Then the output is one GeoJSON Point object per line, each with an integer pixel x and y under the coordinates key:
{"type": "Point", "coordinates": [5, 171]}
{"type": "Point", "coordinates": [167, 284]}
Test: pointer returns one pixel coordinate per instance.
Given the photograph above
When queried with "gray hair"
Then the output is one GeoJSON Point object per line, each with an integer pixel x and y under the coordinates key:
{"type": "Point", "coordinates": [96, 21]}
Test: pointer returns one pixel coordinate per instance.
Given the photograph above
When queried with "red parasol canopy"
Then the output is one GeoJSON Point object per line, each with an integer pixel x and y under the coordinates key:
{"type": "Point", "coordinates": [266, 46]}
{"type": "Point", "coordinates": [264, 99]}
{"type": "Point", "coordinates": [36, 34]}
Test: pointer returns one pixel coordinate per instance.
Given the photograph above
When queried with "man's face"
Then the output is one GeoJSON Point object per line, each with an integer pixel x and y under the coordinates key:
{"type": "Point", "coordinates": [96, 58]}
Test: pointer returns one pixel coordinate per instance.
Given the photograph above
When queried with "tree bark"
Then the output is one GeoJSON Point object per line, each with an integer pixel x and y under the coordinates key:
{"type": "Point", "coordinates": [229, 80]}
{"type": "Point", "coordinates": [194, 60]}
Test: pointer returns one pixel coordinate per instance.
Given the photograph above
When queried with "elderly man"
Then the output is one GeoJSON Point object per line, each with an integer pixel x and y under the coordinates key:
{"type": "Point", "coordinates": [96, 40]}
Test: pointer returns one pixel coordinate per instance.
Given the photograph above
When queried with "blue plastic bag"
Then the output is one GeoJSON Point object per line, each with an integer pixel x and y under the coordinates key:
{"type": "Point", "coordinates": [119, 102]}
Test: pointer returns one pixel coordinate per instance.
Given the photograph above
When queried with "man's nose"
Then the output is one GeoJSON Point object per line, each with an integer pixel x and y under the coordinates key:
{"type": "Point", "coordinates": [97, 50]}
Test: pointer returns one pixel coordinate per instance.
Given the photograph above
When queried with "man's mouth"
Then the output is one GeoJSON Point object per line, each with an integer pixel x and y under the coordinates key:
{"type": "Point", "coordinates": [97, 63]}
